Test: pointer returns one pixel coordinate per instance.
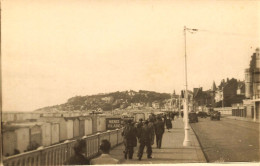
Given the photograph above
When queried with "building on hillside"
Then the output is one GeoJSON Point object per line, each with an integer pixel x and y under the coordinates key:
{"type": "Point", "coordinates": [252, 87]}
{"type": "Point", "coordinates": [156, 105]}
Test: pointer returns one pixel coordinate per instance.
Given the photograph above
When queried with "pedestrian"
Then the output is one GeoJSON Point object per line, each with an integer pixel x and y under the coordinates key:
{"type": "Point", "coordinates": [159, 130]}
{"type": "Point", "coordinates": [182, 114]}
{"type": "Point", "coordinates": [151, 127]}
{"type": "Point", "coordinates": [129, 133]}
{"type": "Point", "coordinates": [139, 127]}
{"type": "Point", "coordinates": [168, 123]}
{"type": "Point", "coordinates": [145, 140]}
{"type": "Point", "coordinates": [104, 158]}
{"type": "Point", "coordinates": [78, 158]}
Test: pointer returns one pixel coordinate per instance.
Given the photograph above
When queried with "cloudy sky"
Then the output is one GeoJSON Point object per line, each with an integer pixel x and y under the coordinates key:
{"type": "Point", "coordinates": [53, 50]}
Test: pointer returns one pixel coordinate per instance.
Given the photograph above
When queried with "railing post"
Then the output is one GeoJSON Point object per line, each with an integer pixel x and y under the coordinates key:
{"type": "Point", "coordinates": [98, 142]}
{"type": "Point", "coordinates": [41, 158]}
{"type": "Point", "coordinates": [117, 131]}
{"type": "Point", "coordinates": [109, 132]}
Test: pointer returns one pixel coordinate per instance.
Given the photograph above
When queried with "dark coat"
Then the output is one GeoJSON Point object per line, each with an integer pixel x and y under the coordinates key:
{"type": "Point", "coordinates": [146, 135]}
{"type": "Point", "coordinates": [139, 128]}
{"type": "Point", "coordinates": [151, 128]}
{"type": "Point", "coordinates": [77, 159]}
{"type": "Point", "coordinates": [159, 127]}
{"type": "Point", "coordinates": [130, 133]}
{"type": "Point", "coordinates": [168, 123]}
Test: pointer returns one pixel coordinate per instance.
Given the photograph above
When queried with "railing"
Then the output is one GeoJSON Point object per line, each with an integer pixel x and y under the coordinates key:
{"type": "Point", "coordinates": [58, 154]}
{"type": "Point", "coordinates": [256, 96]}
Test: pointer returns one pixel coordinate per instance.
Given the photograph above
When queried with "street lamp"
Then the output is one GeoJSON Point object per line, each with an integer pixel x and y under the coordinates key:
{"type": "Point", "coordinates": [186, 141]}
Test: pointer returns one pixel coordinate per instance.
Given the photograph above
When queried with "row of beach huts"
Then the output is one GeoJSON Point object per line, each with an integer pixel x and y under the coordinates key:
{"type": "Point", "coordinates": [47, 129]}
{"type": "Point", "coordinates": [23, 132]}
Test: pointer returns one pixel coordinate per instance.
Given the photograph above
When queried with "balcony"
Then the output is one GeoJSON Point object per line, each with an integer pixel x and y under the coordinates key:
{"type": "Point", "coordinates": [58, 154]}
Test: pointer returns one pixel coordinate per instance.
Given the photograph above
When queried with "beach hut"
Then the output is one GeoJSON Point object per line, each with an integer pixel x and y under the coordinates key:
{"type": "Point", "coordinates": [55, 136]}
{"type": "Point", "coordinates": [46, 134]}
{"type": "Point", "coordinates": [101, 123]}
{"type": "Point", "coordinates": [88, 126]}
{"type": "Point", "coordinates": [9, 142]}
{"type": "Point", "coordinates": [81, 126]}
{"type": "Point", "coordinates": [75, 127]}
{"type": "Point", "coordinates": [35, 135]}
{"type": "Point", "coordinates": [22, 138]}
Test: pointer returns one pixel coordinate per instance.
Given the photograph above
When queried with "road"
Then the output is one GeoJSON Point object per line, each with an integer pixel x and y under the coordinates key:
{"type": "Point", "coordinates": [228, 140]}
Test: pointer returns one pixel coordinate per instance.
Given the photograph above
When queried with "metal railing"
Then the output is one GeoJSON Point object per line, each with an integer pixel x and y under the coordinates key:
{"type": "Point", "coordinates": [58, 154]}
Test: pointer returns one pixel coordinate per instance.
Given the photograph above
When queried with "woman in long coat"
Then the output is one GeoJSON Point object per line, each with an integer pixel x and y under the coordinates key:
{"type": "Point", "coordinates": [168, 123]}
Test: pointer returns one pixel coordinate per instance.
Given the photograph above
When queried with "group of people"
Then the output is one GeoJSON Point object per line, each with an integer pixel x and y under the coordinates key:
{"type": "Point", "coordinates": [79, 155]}
{"type": "Point", "coordinates": [144, 132]}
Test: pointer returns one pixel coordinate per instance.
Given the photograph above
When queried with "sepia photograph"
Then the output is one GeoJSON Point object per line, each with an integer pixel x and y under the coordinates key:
{"type": "Point", "coordinates": [104, 82]}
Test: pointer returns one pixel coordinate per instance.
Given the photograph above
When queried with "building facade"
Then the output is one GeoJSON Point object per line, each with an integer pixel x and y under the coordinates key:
{"type": "Point", "coordinates": [252, 87]}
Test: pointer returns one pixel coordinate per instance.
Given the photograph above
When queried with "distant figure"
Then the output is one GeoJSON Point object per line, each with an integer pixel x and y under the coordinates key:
{"type": "Point", "coordinates": [145, 140]}
{"type": "Point", "coordinates": [139, 127]}
{"type": "Point", "coordinates": [182, 114]}
{"type": "Point", "coordinates": [172, 116]}
{"type": "Point", "coordinates": [151, 128]}
{"type": "Point", "coordinates": [159, 130]}
{"type": "Point", "coordinates": [168, 123]}
{"type": "Point", "coordinates": [129, 133]}
{"type": "Point", "coordinates": [105, 158]}
{"type": "Point", "coordinates": [78, 158]}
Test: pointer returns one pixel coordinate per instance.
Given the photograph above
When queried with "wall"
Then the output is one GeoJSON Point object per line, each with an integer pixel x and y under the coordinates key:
{"type": "Point", "coordinates": [224, 110]}
{"type": "Point", "coordinates": [7, 117]}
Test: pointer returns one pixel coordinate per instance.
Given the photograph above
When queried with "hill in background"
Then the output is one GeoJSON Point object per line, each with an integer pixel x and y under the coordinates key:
{"type": "Point", "coordinates": [110, 101]}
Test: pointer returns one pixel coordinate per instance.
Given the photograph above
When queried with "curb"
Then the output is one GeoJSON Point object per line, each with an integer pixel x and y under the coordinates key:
{"type": "Point", "coordinates": [205, 156]}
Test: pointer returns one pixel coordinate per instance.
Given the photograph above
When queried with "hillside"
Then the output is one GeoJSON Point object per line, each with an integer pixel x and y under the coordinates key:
{"type": "Point", "coordinates": [109, 101]}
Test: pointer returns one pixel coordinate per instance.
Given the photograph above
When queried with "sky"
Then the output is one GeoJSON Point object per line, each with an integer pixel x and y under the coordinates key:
{"type": "Point", "coordinates": [53, 50]}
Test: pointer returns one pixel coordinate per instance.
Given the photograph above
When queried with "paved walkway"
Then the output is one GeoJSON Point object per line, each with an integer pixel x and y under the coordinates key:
{"type": "Point", "coordinates": [172, 150]}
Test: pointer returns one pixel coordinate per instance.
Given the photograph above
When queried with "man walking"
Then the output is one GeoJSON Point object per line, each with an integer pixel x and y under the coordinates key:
{"type": "Point", "coordinates": [105, 158]}
{"type": "Point", "coordinates": [130, 141]}
{"type": "Point", "coordinates": [145, 140]}
{"type": "Point", "coordinates": [159, 130]}
{"type": "Point", "coordinates": [79, 157]}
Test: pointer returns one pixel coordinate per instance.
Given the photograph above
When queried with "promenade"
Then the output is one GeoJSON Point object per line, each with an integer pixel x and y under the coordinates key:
{"type": "Point", "coordinates": [172, 150]}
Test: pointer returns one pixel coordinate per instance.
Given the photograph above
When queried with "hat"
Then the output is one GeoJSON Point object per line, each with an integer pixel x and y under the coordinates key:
{"type": "Point", "coordinates": [141, 119]}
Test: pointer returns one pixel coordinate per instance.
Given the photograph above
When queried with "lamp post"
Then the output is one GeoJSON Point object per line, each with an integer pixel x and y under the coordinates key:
{"type": "Point", "coordinates": [186, 141]}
